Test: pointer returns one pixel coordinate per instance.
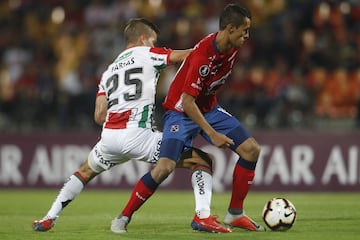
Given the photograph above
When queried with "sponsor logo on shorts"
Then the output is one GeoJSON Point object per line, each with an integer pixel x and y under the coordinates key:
{"type": "Point", "coordinates": [156, 154]}
{"type": "Point", "coordinates": [107, 163]}
{"type": "Point", "coordinates": [174, 128]}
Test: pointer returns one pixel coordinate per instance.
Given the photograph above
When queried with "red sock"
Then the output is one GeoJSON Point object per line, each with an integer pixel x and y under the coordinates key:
{"type": "Point", "coordinates": [242, 181]}
{"type": "Point", "coordinates": [138, 197]}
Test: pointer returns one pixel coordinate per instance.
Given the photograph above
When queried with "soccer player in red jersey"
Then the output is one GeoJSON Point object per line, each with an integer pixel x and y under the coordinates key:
{"type": "Point", "coordinates": [192, 109]}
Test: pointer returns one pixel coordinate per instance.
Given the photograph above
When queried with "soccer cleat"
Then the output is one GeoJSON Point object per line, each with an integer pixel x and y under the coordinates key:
{"type": "Point", "coordinates": [119, 225]}
{"type": "Point", "coordinates": [242, 221]}
{"type": "Point", "coordinates": [209, 224]}
{"type": "Point", "coordinates": [44, 225]}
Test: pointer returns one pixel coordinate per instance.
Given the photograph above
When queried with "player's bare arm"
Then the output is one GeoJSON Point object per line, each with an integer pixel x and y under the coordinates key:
{"type": "Point", "coordinates": [179, 55]}
{"type": "Point", "coordinates": [192, 110]}
{"type": "Point", "coordinates": [101, 106]}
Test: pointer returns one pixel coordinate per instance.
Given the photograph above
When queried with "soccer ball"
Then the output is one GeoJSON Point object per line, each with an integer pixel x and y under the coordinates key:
{"type": "Point", "coordinates": [279, 214]}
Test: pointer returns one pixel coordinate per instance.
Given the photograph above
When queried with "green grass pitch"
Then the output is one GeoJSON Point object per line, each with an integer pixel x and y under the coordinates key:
{"type": "Point", "coordinates": [167, 215]}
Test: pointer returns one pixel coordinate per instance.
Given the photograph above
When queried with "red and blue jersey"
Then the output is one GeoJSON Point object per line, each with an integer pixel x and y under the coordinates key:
{"type": "Point", "coordinates": [202, 73]}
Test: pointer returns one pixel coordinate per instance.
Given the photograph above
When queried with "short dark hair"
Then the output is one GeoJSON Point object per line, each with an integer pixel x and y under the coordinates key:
{"type": "Point", "coordinates": [135, 27]}
{"type": "Point", "coordinates": [234, 14]}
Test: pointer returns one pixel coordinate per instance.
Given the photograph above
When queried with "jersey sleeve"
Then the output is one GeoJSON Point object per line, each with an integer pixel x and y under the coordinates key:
{"type": "Point", "coordinates": [198, 70]}
{"type": "Point", "coordinates": [160, 57]}
{"type": "Point", "coordinates": [100, 91]}
{"type": "Point", "coordinates": [101, 88]}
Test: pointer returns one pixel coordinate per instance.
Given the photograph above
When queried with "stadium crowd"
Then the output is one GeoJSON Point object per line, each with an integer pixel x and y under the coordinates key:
{"type": "Point", "coordinates": [302, 61]}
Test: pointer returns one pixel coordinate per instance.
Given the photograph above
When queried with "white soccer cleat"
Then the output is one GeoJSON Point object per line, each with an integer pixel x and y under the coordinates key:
{"type": "Point", "coordinates": [119, 225]}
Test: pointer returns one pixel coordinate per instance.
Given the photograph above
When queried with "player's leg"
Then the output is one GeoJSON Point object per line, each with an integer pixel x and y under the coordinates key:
{"type": "Point", "coordinates": [248, 151]}
{"type": "Point", "coordinates": [243, 176]}
{"type": "Point", "coordinates": [200, 163]}
{"type": "Point", "coordinates": [169, 153]}
{"type": "Point", "coordinates": [244, 171]}
{"type": "Point", "coordinates": [71, 188]}
{"type": "Point", "coordinates": [142, 191]}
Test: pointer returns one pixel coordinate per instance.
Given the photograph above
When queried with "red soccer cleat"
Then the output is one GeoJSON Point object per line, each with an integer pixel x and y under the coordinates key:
{"type": "Point", "coordinates": [44, 224]}
{"type": "Point", "coordinates": [209, 224]}
{"type": "Point", "coordinates": [243, 222]}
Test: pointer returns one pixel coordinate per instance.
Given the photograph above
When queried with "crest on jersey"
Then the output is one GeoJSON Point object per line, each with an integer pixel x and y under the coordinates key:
{"type": "Point", "coordinates": [174, 128]}
{"type": "Point", "coordinates": [204, 70]}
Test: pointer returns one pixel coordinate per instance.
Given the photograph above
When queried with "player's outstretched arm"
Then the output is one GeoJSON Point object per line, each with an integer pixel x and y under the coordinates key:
{"type": "Point", "coordinates": [100, 109]}
{"type": "Point", "coordinates": [177, 56]}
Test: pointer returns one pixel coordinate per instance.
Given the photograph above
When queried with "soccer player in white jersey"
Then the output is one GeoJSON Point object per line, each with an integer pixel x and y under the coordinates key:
{"type": "Point", "coordinates": [124, 106]}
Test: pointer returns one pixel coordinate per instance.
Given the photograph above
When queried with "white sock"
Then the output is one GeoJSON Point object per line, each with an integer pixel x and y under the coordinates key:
{"type": "Point", "coordinates": [69, 191]}
{"type": "Point", "coordinates": [202, 185]}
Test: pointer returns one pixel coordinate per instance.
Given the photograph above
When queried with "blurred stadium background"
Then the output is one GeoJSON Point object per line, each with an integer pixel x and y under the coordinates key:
{"type": "Point", "coordinates": [300, 69]}
{"type": "Point", "coordinates": [296, 85]}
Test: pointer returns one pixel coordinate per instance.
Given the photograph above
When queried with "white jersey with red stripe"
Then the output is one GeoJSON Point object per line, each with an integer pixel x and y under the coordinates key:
{"type": "Point", "coordinates": [129, 84]}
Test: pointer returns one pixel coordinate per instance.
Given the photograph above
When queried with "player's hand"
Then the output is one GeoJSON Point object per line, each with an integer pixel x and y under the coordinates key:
{"type": "Point", "coordinates": [220, 140]}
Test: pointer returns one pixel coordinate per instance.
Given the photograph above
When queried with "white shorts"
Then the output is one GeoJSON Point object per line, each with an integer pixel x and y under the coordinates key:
{"type": "Point", "coordinates": [121, 145]}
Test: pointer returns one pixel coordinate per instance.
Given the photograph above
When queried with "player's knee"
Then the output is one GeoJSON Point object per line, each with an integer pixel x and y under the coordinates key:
{"type": "Point", "coordinates": [163, 169]}
{"type": "Point", "coordinates": [255, 150]}
{"type": "Point", "coordinates": [205, 159]}
{"type": "Point", "coordinates": [249, 150]}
